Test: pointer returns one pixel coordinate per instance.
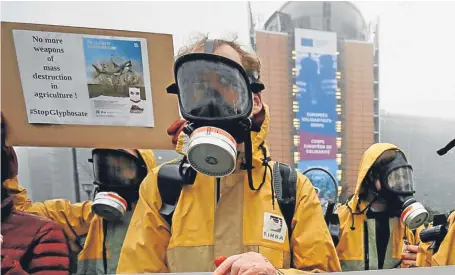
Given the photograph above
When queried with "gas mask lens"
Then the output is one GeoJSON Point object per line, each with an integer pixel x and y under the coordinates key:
{"type": "Point", "coordinates": [116, 168]}
{"type": "Point", "coordinates": [211, 89]}
{"type": "Point", "coordinates": [401, 180]}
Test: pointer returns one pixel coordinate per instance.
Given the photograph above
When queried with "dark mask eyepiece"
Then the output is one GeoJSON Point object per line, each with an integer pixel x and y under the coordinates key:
{"type": "Point", "coordinates": [117, 168]}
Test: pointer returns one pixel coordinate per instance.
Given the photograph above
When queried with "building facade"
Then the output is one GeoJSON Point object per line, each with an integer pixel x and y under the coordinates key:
{"type": "Point", "coordinates": [357, 82]}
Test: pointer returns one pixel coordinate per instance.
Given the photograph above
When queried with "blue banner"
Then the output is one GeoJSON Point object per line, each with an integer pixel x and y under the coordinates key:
{"type": "Point", "coordinates": [316, 83]}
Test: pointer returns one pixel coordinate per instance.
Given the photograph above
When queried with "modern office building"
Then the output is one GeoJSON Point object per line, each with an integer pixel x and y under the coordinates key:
{"type": "Point", "coordinates": [354, 90]}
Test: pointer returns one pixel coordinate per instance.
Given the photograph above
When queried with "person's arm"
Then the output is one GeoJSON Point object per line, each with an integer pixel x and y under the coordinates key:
{"type": "Point", "coordinates": [417, 253]}
{"type": "Point", "coordinates": [74, 218]}
{"type": "Point", "coordinates": [414, 255]}
{"type": "Point", "coordinates": [50, 255]}
{"type": "Point", "coordinates": [446, 252]}
{"type": "Point", "coordinates": [11, 267]}
{"type": "Point", "coordinates": [145, 244]}
{"type": "Point", "coordinates": [312, 246]}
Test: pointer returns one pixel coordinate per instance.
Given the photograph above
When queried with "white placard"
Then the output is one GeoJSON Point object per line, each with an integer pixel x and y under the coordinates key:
{"type": "Point", "coordinates": [84, 79]}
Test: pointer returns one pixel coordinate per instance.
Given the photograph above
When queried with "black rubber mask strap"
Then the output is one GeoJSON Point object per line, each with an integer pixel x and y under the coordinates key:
{"type": "Point", "coordinates": [249, 160]}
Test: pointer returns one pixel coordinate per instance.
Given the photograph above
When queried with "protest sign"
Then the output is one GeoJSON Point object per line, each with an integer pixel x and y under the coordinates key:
{"type": "Point", "coordinates": [82, 87]}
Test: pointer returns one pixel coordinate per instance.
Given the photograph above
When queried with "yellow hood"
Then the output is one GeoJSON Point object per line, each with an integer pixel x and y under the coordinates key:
{"type": "Point", "coordinates": [368, 159]}
{"type": "Point", "coordinates": [149, 158]}
{"type": "Point", "coordinates": [257, 138]}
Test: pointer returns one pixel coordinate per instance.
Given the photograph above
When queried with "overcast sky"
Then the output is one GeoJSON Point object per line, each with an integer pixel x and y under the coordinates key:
{"type": "Point", "coordinates": [417, 39]}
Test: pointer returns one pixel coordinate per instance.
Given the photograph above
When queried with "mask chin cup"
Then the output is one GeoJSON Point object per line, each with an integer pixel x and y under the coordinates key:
{"type": "Point", "coordinates": [414, 215]}
{"type": "Point", "coordinates": [212, 151]}
{"type": "Point", "coordinates": [109, 205]}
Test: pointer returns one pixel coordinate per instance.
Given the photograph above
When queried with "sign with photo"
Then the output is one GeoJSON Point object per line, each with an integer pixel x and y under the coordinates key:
{"type": "Point", "coordinates": [84, 79]}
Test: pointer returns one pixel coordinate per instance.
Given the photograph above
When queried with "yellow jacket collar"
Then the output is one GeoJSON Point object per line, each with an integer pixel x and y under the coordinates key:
{"type": "Point", "coordinates": [149, 158]}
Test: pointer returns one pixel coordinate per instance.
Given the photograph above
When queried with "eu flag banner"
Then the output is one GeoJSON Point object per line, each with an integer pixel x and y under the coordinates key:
{"type": "Point", "coordinates": [316, 66]}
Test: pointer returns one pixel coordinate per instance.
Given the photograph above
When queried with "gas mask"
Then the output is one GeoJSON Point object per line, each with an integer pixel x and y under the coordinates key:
{"type": "Point", "coordinates": [118, 175]}
{"type": "Point", "coordinates": [397, 188]}
{"type": "Point", "coordinates": [215, 97]}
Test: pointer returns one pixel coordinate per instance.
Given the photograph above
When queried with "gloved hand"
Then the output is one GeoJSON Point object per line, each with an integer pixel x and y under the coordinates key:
{"type": "Point", "coordinates": [250, 263]}
{"type": "Point", "coordinates": [410, 257]}
{"type": "Point", "coordinates": [175, 129]}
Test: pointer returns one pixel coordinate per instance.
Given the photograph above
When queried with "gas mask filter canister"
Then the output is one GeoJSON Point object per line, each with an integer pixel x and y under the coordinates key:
{"type": "Point", "coordinates": [212, 151]}
{"type": "Point", "coordinates": [109, 205]}
{"type": "Point", "coordinates": [413, 214]}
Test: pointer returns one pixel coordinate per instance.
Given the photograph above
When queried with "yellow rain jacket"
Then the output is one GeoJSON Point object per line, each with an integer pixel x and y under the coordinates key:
{"type": "Point", "coordinates": [240, 222]}
{"type": "Point", "coordinates": [356, 250]}
{"type": "Point", "coordinates": [78, 220]}
{"type": "Point", "coordinates": [446, 252]}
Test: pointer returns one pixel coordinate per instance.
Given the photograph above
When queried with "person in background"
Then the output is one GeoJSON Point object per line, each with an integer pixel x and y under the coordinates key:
{"type": "Point", "coordinates": [445, 254]}
{"type": "Point", "coordinates": [242, 220]}
{"type": "Point", "coordinates": [98, 226]}
{"type": "Point", "coordinates": [379, 224]}
{"type": "Point", "coordinates": [29, 244]}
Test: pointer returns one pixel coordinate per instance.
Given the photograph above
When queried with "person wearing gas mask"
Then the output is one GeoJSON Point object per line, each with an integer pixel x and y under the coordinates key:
{"type": "Point", "coordinates": [440, 245]}
{"type": "Point", "coordinates": [379, 224]}
{"type": "Point", "coordinates": [227, 205]}
{"type": "Point", "coordinates": [438, 241]}
{"type": "Point", "coordinates": [97, 228]}
{"type": "Point", "coordinates": [446, 253]}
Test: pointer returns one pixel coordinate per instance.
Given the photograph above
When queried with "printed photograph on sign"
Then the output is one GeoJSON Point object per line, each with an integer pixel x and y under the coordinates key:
{"type": "Point", "coordinates": [115, 71]}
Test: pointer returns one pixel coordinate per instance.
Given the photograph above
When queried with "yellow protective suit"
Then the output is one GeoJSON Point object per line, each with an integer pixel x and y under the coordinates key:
{"type": "Point", "coordinates": [446, 252]}
{"type": "Point", "coordinates": [78, 220]}
{"type": "Point", "coordinates": [353, 222]}
{"type": "Point", "coordinates": [240, 222]}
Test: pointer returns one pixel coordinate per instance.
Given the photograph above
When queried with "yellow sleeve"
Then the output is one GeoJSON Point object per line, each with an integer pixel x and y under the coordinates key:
{"type": "Point", "coordinates": [145, 245]}
{"type": "Point", "coordinates": [446, 252]}
{"type": "Point", "coordinates": [19, 193]}
{"type": "Point", "coordinates": [311, 243]}
{"type": "Point", "coordinates": [423, 253]}
{"type": "Point", "coordinates": [74, 218]}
